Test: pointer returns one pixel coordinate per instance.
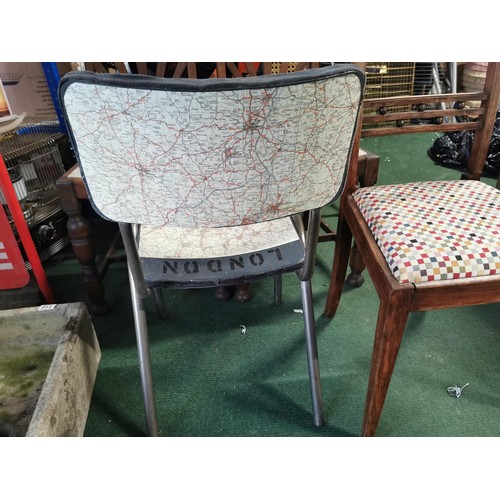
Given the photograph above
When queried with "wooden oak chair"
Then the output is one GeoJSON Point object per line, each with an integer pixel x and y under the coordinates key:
{"type": "Point", "coordinates": [200, 69]}
{"type": "Point", "coordinates": [426, 245]}
{"type": "Point", "coordinates": [209, 179]}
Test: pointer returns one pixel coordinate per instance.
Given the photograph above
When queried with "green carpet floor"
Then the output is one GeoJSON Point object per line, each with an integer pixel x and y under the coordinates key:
{"type": "Point", "coordinates": [213, 380]}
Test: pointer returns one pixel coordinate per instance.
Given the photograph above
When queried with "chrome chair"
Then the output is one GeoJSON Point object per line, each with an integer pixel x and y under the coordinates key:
{"type": "Point", "coordinates": [209, 179]}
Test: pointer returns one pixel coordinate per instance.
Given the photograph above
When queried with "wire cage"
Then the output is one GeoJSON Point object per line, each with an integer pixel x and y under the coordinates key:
{"type": "Point", "coordinates": [391, 79]}
{"type": "Point", "coordinates": [33, 158]}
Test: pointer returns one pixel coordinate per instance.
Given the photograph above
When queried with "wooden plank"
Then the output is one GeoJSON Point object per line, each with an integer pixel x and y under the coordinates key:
{"type": "Point", "coordinates": [456, 293]}
{"type": "Point", "coordinates": [160, 69]}
{"type": "Point", "coordinates": [233, 69]}
{"type": "Point", "coordinates": [482, 139]}
{"type": "Point", "coordinates": [221, 70]}
{"type": "Point", "coordinates": [421, 115]}
{"type": "Point", "coordinates": [250, 68]}
{"type": "Point", "coordinates": [120, 66]}
{"type": "Point", "coordinates": [191, 70]}
{"type": "Point", "coordinates": [179, 70]}
{"type": "Point", "coordinates": [411, 129]}
{"type": "Point", "coordinates": [408, 100]}
{"type": "Point", "coordinates": [142, 68]}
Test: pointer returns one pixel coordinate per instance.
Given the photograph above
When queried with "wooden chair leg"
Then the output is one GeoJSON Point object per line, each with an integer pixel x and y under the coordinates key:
{"type": "Point", "coordinates": [339, 268]}
{"type": "Point", "coordinates": [392, 317]}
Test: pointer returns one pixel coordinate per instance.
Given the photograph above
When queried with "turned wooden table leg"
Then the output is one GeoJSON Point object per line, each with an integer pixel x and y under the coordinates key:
{"type": "Point", "coordinates": [79, 233]}
{"type": "Point", "coordinates": [223, 293]}
{"type": "Point", "coordinates": [240, 292]}
{"type": "Point", "coordinates": [357, 266]}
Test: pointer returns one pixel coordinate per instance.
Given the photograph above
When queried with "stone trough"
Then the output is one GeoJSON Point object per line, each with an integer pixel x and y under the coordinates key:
{"type": "Point", "coordinates": [49, 357]}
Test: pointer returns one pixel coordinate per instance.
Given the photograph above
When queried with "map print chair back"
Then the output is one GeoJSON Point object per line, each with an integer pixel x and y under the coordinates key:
{"type": "Point", "coordinates": [203, 70]}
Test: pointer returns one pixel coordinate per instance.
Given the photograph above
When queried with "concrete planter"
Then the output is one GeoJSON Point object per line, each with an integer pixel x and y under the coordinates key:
{"type": "Point", "coordinates": [48, 364]}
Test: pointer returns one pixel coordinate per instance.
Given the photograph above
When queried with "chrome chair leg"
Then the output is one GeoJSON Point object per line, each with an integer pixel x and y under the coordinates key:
{"type": "Point", "coordinates": [312, 352]}
{"type": "Point", "coordinates": [141, 331]}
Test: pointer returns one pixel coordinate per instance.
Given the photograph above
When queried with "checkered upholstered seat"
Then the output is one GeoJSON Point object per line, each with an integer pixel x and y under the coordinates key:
{"type": "Point", "coordinates": [449, 230]}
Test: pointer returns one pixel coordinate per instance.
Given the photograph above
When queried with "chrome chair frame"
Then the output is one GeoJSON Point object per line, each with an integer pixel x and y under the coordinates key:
{"type": "Point", "coordinates": [336, 90]}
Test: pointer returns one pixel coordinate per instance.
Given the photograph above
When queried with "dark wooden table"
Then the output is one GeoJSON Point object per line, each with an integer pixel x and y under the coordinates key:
{"type": "Point", "coordinates": [72, 191]}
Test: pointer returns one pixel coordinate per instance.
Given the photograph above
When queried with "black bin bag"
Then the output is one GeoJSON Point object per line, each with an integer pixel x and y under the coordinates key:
{"type": "Point", "coordinates": [452, 150]}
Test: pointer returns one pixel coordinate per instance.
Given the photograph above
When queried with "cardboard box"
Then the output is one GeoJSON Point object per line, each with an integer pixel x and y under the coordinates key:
{"type": "Point", "coordinates": [26, 88]}
{"type": "Point", "coordinates": [4, 102]}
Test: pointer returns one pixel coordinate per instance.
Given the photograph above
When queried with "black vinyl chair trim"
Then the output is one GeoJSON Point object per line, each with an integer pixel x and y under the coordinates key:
{"type": "Point", "coordinates": [203, 273]}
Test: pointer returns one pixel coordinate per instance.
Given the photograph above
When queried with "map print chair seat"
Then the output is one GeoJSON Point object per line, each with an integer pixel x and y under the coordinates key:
{"type": "Point", "coordinates": [209, 179]}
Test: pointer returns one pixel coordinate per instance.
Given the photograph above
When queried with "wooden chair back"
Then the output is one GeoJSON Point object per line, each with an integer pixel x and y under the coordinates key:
{"type": "Point", "coordinates": [383, 116]}
{"type": "Point", "coordinates": [394, 235]}
{"type": "Point", "coordinates": [195, 70]}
